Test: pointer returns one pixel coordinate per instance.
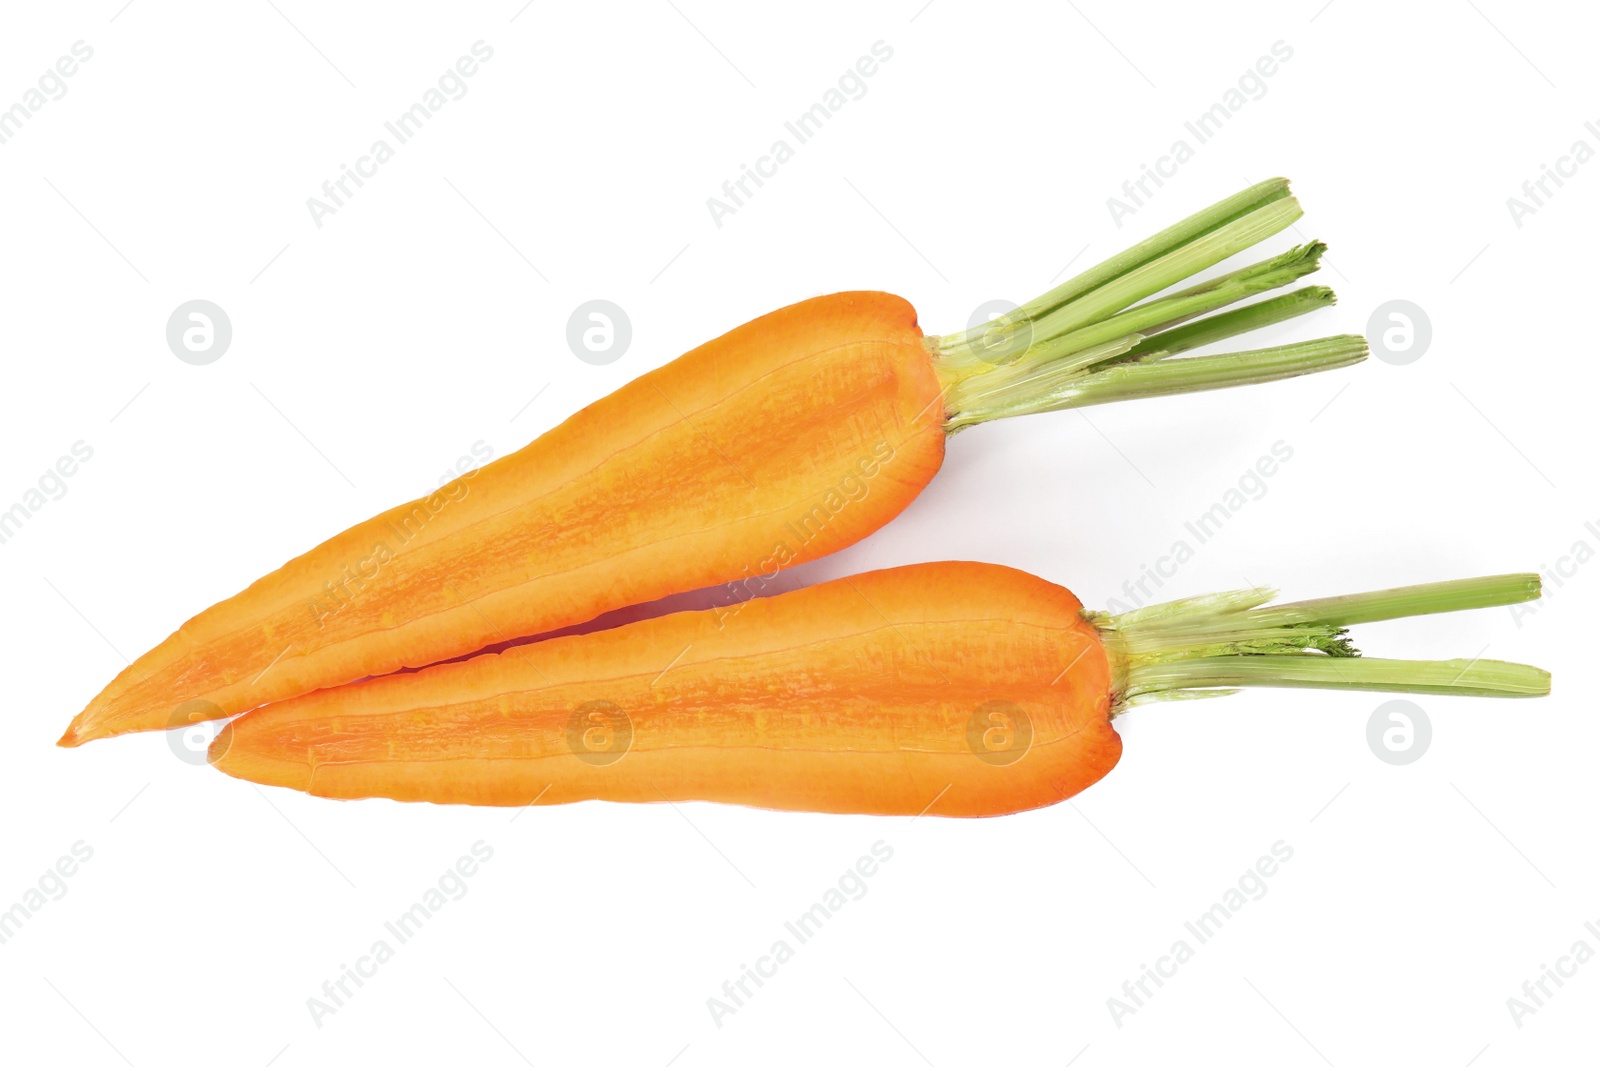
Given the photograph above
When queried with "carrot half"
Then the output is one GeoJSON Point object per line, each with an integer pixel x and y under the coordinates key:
{"type": "Point", "coordinates": [786, 439]}
{"type": "Point", "coordinates": [957, 689]}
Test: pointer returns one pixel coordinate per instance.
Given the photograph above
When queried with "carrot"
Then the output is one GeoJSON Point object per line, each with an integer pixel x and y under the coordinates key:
{"type": "Point", "coordinates": [957, 689]}
{"type": "Point", "coordinates": [785, 439]}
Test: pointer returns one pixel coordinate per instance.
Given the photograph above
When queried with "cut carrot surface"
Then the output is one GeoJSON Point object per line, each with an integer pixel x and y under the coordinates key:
{"type": "Point", "coordinates": [956, 689]}
{"type": "Point", "coordinates": [858, 695]}
{"type": "Point", "coordinates": [742, 455]}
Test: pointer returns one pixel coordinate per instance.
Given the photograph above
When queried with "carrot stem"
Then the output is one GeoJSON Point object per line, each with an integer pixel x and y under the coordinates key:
{"type": "Point", "coordinates": [1170, 269]}
{"type": "Point", "coordinates": [1229, 324]}
{"type": "Point", "coordinates": [1229, 640]}
{"type": "Point", "coordinates": [1169, 311]}
{"type": "Point", "coordinates": [1170, 377]}
{"type": "Point", "coordinates": [972, 351]}
{"type": "Point", "coordinates": [1044, 389]}
{"type": "Point", "coordinates": [1183, 233]}
{"type": "Point", "coordinates": [1451, 677]}
{"type": "Point", "coordinates": [1081, 342]}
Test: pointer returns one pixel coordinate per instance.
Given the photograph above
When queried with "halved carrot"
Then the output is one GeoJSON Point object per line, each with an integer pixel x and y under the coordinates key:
{"type": "Point", "coordinates": [949, 688]}
{"type": "Point", "coordinates": [785, 439]}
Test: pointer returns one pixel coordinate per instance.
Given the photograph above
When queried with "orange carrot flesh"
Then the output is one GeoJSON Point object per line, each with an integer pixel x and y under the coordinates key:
{"type": "Point", "coordinates": [861, 695]}
{"type": "Point", "coordinates": [788, 438]}
{"type": "Point", "coordinates": [952, 689]}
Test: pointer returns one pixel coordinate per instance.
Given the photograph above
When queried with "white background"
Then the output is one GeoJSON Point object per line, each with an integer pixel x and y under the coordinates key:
{"type": "Point", "coordinates": [370, 353]}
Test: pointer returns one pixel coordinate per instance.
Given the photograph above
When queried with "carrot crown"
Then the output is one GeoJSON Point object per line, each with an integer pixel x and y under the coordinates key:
{"type": "Point", "coordinates": [1091, 340]}
{"type": "Point", "coordinates": [1214, 645]}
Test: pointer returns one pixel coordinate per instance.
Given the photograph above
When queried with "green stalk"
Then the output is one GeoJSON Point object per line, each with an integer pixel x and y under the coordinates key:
{"type": "Point", "coordinates": [1173, 237]}
{"type": "Point", "coordinates": [1406, 601]}
{"type": "Point", "coordinates": [1452, 677]}
{"type": "Point", "coordinates": [1201, 645]}
{"type": "Point", "coordinates": [1169, 311]}
{"type": "Point", "coordinates": [1241, 320]}
{"type": "Point", "coordinates": [1027, 388]}
{"type": "Point", "coordinates": [967, 351]}
{"type": "Point", "coordinates": [1170, 269]}
{"type": "Point", "coordinates": [1096, 338]}
{"type": "Point", "coordinates": [970, 403]}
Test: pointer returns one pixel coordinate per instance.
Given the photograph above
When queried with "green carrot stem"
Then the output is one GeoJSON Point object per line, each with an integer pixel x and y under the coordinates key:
{"type": "Point", "coordinates": [1453, 677]}
{"type": "Point", "coordinates": [1178, 252]}
{"type": "Point", "coordinates": [969, 402]}
{"type": "Point", "coordinates": [1231, 640]}
{"type": "Point", "coordinates": [1025, 388]}
{"type": "Point", "coordinates": [1169, 311]}
{"type": "Point", "coordinates": [1231, 323]}
{"type": "Point", "coordinates": [1170, 269]}
{"type": "Point", "coordinates": [1405, 601]}
{"type": "Point", "coordinates": [1104, 335]}
{"type": "Point", "coordinates": [1173, 237]}
{"type": "Point", "coordinates": [1171, 377]}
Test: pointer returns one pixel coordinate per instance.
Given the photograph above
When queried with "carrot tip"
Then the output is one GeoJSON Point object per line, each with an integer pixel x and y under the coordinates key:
{"type": "Point", "coordinates": [76, 734]}
{"type": "Point", "coordinates": [85, 728]}
{"type": "Point", "coordinates": [232, 753]}
{"type": "Point", "coordinates": [220, 744]}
